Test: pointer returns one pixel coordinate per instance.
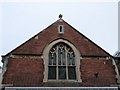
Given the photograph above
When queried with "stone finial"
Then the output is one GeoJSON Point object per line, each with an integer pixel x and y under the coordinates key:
{"type": "Point", "coordinates": [60, 16]}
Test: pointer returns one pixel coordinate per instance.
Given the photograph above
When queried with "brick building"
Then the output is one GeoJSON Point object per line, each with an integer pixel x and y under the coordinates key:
{"type": "Point", "coordinates": [59, 56]}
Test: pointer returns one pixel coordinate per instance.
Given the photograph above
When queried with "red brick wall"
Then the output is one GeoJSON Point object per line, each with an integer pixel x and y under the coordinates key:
{"type": "Point", "coordinates": [29, 71]}
{"type": "Point", "coordinates": [36, 46]}
{"type": "Point", "coordinates": [24, 72]}
{"type": "Point", "coordinates": [104, 68]}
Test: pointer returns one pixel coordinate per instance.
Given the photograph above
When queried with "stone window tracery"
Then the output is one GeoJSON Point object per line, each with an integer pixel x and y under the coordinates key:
{"type": "Point", "coordinates": [61, 64]}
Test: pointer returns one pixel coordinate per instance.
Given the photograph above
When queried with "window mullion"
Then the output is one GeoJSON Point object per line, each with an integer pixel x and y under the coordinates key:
{"type": "Point", "coordinates": [61, 53]}
{"type": "Point", "coordinates": [66, 62]}
{"type": "Point", "coordinates": [57, 63]}
{"type": "Point", "coordinates": [61, 59]}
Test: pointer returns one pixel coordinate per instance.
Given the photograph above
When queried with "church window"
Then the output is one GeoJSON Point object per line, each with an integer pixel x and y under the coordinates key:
{"type": "Point", "coordinates": [61, 63]}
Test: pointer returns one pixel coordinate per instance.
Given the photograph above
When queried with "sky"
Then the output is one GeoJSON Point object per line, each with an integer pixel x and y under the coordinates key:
{"type": "Point", "coordinates": [22, 19]}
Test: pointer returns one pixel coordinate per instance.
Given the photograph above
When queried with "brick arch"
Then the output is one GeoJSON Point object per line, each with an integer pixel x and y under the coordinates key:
{"type": "Point", "coordinates": [77, 58]}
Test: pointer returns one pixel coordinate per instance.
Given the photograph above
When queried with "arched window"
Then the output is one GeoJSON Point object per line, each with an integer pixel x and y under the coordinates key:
{"type": "Point", "coordinates": [61, 63]}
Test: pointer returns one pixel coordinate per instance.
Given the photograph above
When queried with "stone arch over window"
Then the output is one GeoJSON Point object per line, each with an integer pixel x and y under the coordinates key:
{"type": "Point", "coordinates": [61, 58]}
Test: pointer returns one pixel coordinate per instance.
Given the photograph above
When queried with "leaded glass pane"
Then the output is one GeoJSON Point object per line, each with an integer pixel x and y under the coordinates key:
{"type": "Point", "coordinates": [59, 56]}
{"type": "Point", "coordinates": [52, 72]}
{"type": "Point", "coordinates": [70, 62]}
{"type": "Point", "coordinates": [73, 61]}
{"type": "Point", "coordinates": [50, 59]}
{"type": "Point", "coordinates": [54, 59]}
{"type": "Point", "coordinates": [63, 57]}
{"type": "Point", "coordinates": [71, 73]}
{"type": "Point", "coordinates": [62, 72]}
{"type": "Point", "coordinates": [69, 59]}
